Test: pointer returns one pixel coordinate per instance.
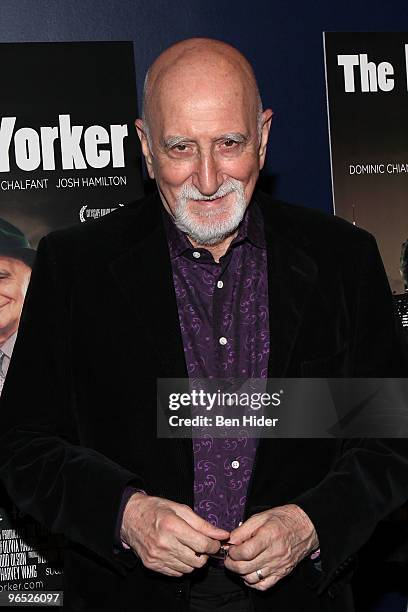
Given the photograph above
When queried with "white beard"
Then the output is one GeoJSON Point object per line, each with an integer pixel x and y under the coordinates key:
{"type": "Point", "coordinates": [211, 230]}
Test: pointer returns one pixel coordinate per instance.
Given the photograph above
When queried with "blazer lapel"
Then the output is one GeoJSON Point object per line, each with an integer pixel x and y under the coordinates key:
{"type": "Point", "coordinates": [292, 276]}
{"type": "Point", "coordinates": [144, 274]}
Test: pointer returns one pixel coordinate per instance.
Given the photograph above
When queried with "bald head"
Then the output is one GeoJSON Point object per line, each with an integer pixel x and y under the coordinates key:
{"type": "Point", "coordinates": [198, 64]}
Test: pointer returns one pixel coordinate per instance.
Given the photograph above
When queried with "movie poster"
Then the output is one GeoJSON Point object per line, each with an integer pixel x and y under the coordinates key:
{"type": "Point", "coordinates": [367, 94]}
{"type": "Point", "coordinates": [69, 154]}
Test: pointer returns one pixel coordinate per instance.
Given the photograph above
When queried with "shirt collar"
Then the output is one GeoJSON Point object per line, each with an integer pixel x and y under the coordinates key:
{"type": "Point", "coordinates": [8, 345]}
{"type": "Point", "coordinates": [250, 230]}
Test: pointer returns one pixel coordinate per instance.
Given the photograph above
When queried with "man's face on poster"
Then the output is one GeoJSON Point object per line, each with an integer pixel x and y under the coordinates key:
{"type": "Point", "coordinates": [14, 279]}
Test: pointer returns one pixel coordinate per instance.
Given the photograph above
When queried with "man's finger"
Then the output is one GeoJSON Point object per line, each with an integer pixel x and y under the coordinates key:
{"type": "Point", "coordinates": [176, 557]}
{"type": "Point", "coordinates": [248, 550]}
{"type": "Point", "coordinates": [245, 568]}
{"type": "Point", "coordinates": [195, 540]}
{"type": "Point", "coordinates": [266, 577]}
{"type": "Point", "coordinates": [201, 525]}
{"type": "Point", "coordinates": [261, 585]}
{"type": "Point", "coordinates": [179, 566]}
{"type": "Point", "coordinates": [169, 572]}
{"type": "Point", "coordinates": [246, 530]}
{"type": "Point", "coordinates": [189, 557]}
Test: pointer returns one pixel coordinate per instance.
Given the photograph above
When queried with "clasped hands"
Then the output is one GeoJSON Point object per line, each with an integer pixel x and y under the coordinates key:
{"type": "Point", "coordinates": [170, 538]}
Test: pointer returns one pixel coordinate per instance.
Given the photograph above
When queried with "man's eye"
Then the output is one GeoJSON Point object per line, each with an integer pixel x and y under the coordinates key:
{"type": "Point", "coordinates": [230, 144]}
{"type": "Point", "coordinates": [180, 148]}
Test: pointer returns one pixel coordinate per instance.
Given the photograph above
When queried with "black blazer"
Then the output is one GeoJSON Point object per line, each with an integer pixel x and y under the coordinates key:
{"type": "Point", "coordinates": [78, 414]}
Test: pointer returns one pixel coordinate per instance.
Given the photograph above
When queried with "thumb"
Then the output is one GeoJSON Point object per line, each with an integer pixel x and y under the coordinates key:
{"type": "Point", "coordinates": [203, 526]}
{"type": "Point", "coordinates": [244, 531]}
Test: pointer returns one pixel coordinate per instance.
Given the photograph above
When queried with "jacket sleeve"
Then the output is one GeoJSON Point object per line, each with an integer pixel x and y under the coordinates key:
{"type": "Point", "coordinates": [48, 473]}
{"type": "Point", "coordinates": [369, 478]}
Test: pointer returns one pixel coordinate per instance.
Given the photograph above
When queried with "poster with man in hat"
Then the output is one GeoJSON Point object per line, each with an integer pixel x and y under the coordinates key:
{"type": "Point", "coordinates": [69, 156]}
{"type": "Point", "coordinates": [30, 557]}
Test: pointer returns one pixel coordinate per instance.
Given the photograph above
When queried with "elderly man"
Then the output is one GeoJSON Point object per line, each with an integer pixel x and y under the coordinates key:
{"type": "Point", "coordinates": [206, 278]}
{"type": "Point", "coordinates": [16, 258]}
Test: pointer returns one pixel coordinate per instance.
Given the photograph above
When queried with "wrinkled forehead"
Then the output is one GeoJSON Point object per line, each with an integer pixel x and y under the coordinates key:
{"type": "Point", "coordinates": [203, 95]}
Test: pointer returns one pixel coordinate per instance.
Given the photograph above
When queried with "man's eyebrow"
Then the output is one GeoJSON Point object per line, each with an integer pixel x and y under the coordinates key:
{"type": "Point", "coordinates": [172, 141]}
{"type": "Point", "coordinates": [234, 136]}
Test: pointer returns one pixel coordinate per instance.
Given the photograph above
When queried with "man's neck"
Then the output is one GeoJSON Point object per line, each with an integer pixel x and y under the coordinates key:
{"type": "Point", "coordinates": [216, 250]}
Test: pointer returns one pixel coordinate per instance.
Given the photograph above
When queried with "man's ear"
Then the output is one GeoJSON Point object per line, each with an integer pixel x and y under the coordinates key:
{"type": "Point", "coordinates": [142, 133]}
{"type": "Point", "coordinates": [266, 126]}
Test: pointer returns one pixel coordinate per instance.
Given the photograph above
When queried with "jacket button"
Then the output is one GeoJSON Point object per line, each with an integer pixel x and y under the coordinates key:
{"type": "Point", "coordinates": [179, 591]}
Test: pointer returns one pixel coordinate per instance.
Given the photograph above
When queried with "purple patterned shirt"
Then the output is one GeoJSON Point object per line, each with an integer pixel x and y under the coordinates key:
{"type": "Point", "coordinates": [224, 320]}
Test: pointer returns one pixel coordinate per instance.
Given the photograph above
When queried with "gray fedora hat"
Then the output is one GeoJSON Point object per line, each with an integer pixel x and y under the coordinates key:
{"type": "Point", "coordinates": [13, 243]}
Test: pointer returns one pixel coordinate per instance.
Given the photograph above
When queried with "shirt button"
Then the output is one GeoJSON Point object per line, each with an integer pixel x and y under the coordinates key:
{"type": "Point", "coordinates": [196, 254]}
{"type": "Point", "coordinates": [220, 284]}
{"type": "Point", "coordinates": [223, 341]}
{"type": "Point", "coordinates": [235, 465]}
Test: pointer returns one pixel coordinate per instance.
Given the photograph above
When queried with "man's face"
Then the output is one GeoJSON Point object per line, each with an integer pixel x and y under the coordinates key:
{"type": "Point", "coordinates": [205, 152]}
{"type": "Point", "coordinates": [14, 279]}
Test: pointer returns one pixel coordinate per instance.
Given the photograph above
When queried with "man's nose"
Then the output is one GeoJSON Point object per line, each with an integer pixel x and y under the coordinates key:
{"type": "Point", "coordinates": [207, 177]}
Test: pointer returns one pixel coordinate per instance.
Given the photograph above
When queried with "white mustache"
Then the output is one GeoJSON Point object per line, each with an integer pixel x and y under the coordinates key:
{"type": "Point", "coordinates": [190, 192]}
